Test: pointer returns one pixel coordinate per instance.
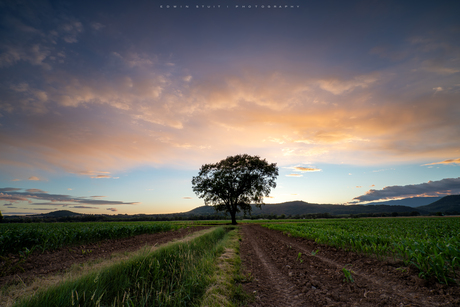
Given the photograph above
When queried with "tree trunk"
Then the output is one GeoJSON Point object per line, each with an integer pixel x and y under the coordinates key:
{"type": "Point", "coordinates": [233, 214]}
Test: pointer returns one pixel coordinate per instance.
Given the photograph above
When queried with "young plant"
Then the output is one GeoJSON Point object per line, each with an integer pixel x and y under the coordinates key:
{"type": "Point", "coordinates": [347, 274]}
{"type": "Point", "coordinates": [299, 257]}
{"type": "Point", "coordinates": [313, 253]}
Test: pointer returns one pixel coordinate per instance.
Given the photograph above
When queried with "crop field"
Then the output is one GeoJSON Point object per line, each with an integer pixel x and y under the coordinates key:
{"type": "Point", "coordinates": [175, 275]}
{"type": "Point", "coordinates": [25, 238]}
{"type": "Point", "coordinates": [313, 262]}
{"type": "Point", "coordinates": [430, 244]}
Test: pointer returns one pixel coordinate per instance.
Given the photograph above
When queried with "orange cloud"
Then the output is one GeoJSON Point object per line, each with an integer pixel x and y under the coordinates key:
{"type": "Point", "coordinates": [449, 161]}
{"type": "Point", "coordinates": [142, 118]}
{"type": "Point", "coordinates": [294, 175]}
{"type": "Point", "coordinates": [307, 169]}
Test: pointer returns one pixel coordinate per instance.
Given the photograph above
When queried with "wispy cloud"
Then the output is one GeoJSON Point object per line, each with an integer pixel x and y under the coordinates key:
{"type": "Point", "coordinates": [448, 161]}
{"type": "Point", "coordinates": [95, 174]}
{"type": "Point", "coordinates": [307, 169]}
{"type": "Point", "coordinates": [294, 175]}
{"type": "Point", "coordinates": [35, 191]}
{"type": "Point", "coordinates": [442, 187]}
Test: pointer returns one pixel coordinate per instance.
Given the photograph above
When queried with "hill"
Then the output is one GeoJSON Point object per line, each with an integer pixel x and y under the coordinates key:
{"type": "Point", "coordinates": [414, 202]}
{"type": "Point", "coordinates": [449, 203]}
{"type": "Point", "coordinates": [301, 207]}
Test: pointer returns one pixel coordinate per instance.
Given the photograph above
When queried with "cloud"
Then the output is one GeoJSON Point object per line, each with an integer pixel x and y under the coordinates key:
{"type": "Point", "coordinates": [294, 175]}
{"type": "Point", "coordinates": [35, 191]}
{"type": "Point", "coordinates": [33, 195]}
{"type": "Point", "coordinates": [35, 55]}
{"type": "Point", "coordinates": [136, 107]}
{"type": "Point", "coordinates": [9, 190]}
{"type": "Point", "coordinates": [95, 174]}
{"type": "Point", "coordinates": [337, 87]}
{"type": "Point", "coordinates": [442, 187]}
{"type": "Point", "coordinates": [16, 180]}
{"type": "Point", "coordinates": [186, 197]}
{"type": "Point", "coordinates": [12, 198]}
{"type": "Point", "coordinates": [306, 169]}
{"type": "Point", "coordinates": [34, 178]}
{"type": "Point", "coordinates": [18, 213]}
{"type": "Point", "coordinates": [112, 209]}
{"type": "Point", "coordinates": [101, 176]}
{"type": "Point", "coordinates": [449, 161]}
{"type": "Point", "coordinates": [83, 207]}
{"type": "Point", "coordinates": [97, 26]}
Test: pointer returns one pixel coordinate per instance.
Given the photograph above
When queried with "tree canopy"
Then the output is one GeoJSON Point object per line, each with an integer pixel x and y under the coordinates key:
{"type": "Point", "coordinates": [235, 183]}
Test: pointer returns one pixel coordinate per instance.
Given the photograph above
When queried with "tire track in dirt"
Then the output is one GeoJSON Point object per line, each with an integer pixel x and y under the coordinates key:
{"type": "Point", "coordinates": [274, 261]}
{"type": "Point", "coordinates": [277, 281]}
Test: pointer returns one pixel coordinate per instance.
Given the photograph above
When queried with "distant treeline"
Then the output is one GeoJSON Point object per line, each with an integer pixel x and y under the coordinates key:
{"type": "Point", "coordinates": [178, 217]}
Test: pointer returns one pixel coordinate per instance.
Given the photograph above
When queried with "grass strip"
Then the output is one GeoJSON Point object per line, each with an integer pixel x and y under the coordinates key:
{"type": "Point", "coordinates": [225, 289]}
{"type": "Point", "coordinates": [173, 275]}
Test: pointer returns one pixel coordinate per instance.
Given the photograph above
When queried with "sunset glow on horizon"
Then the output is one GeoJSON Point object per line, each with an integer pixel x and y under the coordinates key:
{"type": "Point", "coordinates": [113, 107]}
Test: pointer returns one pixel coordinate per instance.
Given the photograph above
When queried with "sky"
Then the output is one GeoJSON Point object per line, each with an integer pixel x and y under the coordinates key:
{"type": "Point", "coordinates": [113, 106]}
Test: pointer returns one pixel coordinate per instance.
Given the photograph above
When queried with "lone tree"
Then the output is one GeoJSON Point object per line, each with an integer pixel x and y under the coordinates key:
{"type": "Point", "coordinates": [235, 183]}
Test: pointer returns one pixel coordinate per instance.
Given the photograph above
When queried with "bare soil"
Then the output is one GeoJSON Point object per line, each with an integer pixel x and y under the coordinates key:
{"type": "Point", "coordinates": [284, 272]}
{"type": "Point", "coordinates": [52, 262]}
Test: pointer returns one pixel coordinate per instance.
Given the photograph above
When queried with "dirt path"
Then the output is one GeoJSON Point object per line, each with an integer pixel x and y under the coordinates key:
{"type": "Point", "coordinates": [283, 277]}
{"type": "Point", "coordinates": [43, 264]}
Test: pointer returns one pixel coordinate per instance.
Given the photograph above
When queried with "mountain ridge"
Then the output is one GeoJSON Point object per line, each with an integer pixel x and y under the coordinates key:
{"type": "Point", "coordinates": [447, 204]}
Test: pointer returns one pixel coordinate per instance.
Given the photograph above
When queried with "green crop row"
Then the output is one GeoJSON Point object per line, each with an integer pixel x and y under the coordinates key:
{"type": "Point", "coordinates": [24, 238]}
{"type": "Point", "coordinates": [175, 275]}
{"type": "Point", "coordinates": [430, 244]}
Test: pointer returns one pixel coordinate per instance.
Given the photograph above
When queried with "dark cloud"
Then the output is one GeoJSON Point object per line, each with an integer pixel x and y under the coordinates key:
{"type": "Point", "coordinates": [9, 189]}
{"type": "Point", "coordinates": [35, 191]}
{"type": "Point", "coordinates": [17, 213]}
{"type": "Point", "coordinates": [11, 198]}
{"type": "Point", "coordinates": [112, 209]}
{"type": "Point", "coordinates": [52, 199]}
{"type": "Point", "coordinates": [84, 207]}
{"type": "Point", "coordinates": [442, 187]}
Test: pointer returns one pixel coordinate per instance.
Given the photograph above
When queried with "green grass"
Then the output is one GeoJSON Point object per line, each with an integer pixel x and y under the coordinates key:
{"type": "Point", "coordinates": [17, 238]}
{"type": "Point", "coordinates": [175, 275]}
{"type": "Point", "coordinates": [430, 244]}
{"type": "Point", "coordinates": [225, 289]}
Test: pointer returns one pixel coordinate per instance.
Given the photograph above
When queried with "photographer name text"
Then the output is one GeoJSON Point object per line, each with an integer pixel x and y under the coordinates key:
{"type": "Point", "coordinates": [246, 6]}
